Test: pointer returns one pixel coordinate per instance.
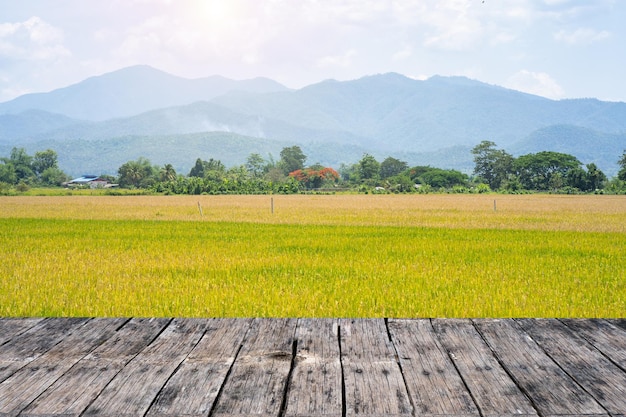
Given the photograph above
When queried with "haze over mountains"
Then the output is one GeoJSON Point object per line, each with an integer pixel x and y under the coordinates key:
{"type": "Point", "coordinates": [102, 122]}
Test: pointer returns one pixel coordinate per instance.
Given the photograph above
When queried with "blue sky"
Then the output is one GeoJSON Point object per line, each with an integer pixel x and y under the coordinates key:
{"type": "Point", "coordinates": [553, 48]}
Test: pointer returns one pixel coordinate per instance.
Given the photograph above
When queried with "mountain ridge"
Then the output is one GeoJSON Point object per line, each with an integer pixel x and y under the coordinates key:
{"type": "Point", "coordinates": [381, 114]}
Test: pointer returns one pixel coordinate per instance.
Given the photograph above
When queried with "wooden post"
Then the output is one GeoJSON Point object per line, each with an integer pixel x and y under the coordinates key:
{"type": "Point", "coordinates": [200, 210]}
{"type": "Point", "coordinates": [494, 205]}
{"type": "Point", "coordinates": [272, 204]}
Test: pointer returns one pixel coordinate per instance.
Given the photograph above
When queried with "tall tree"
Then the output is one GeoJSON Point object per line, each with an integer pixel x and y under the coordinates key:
{"type": "Point", "coordinates": [198, 169]}
{"type": "Point", "coordinates": [167, 173]}
{"type": "Point", "coordinates": [137, 174]}
{"type": "Point", "coordinates": [255, 164]}
{"type": "Point", "coordinates": [622, 163]}
{"type": "Point", "coordinates": [44, 160]}
{"type": "Point", "coordinates": [291, 159]}
{"type": "Point", "coordinates": [595, 177]}
{"type": "Point", "coordinates": [22, 164]}
{"type": "Point", "coordinates": [391, 167]}
{"type": "Point", "coordinates": [545, 170]}
{"type": "Point", "coordinates": [369, 167]}
{"type": "Point", "coordinates": [492, 165]}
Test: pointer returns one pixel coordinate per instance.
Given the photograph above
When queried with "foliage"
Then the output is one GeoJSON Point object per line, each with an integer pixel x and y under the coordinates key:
{"type": "Point", "coordinates": [255, 164]}
{"type": "Point", "coordinates": [443, 178]}
{"type": "Point", "coordinates": [315, 178]}
{"type": "Point", "coordinates": [24, 170]}
{"type": "Point", "coordinates": [622, 164]}
{"type": "Point", "coordinates": [137, 174]}
{"type": "Point", "coordinates": [368, 168]}
{"type": "Point", "coordinates": [545, 170]}
{"type": "Point", "coordinates": [391, 167]}
{"type": "Point", "coordinates": [291, 159]}
{"type": "Point", "coordinates": [492, 165]}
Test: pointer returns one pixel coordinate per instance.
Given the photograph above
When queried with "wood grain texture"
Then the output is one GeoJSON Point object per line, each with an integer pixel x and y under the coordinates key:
{"type": "Point", "coordinates": [72, 393]}
{"type": "Point", "coordinates": [13, 327]}
{"type": "Point", "coordinates": [134, 388]}
{"type": "Point", "coordinates": [374, 384]}
{"type": "Point", "coordinates": [192, 390]}
{"type": "Point", "coordinates": [258, 380]}
{"type": "Point", "coordinates": [19, 390]}
{"type": "Point", "coordinates": [316, 383]}
{"type": "Point", "coordinates": [431, 378]}
{"type": "Point", "coordinates": [604, 380]}
{"type": "Point", "coordinates": [312, 367]}
{"type": "Point", "coordinates": [552, 391]}
{"type": "Point", "coordinates": [494, 392]}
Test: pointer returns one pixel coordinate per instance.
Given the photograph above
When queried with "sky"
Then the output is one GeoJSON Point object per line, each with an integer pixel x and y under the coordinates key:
{"type": "Point", "coordinates": [553, 48]}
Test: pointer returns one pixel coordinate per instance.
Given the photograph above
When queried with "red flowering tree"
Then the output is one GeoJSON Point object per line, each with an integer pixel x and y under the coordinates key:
{"type": "Point", "coordinates": [315, 178]}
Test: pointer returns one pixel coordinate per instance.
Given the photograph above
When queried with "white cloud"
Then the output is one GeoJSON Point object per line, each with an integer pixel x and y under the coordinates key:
{"type": "Point", "coordinates": [403, 53]}
{"type": "Point", "coordinates": [537, 83]}
{"type": "Point", "coordinates": [33, 39]}
{"type": "Point", "coordinates": [341, 61]}
{"type": "Point", "coordinates": [582, 36]}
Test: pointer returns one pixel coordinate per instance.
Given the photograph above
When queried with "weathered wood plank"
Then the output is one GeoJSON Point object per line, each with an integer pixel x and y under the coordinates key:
{"type": "Point", "coordinates": [72, 393]}
{"type": "Point", "coordinates": [132, 390]}
{"type": "Point", "coordinates": [194, 387]}
{"type": "Point", "coordinates": [316, 382]}
{"type": "Point", "coordinates": [432, 380]}
{"type": "Point", "coordinates": [592, 370]}
{"type": "Point", "coordinates": [552, 391]}
{"type": "Point", "coordinates": [605, 336]}
{"type": "Point", "coordinates": [258, 379]}
{"type": "Point", "coordinates": [12, 327]}
{"type": "Point", "coordinates": [373, 381]}
{"type": "Point", "coordinates": [34, 342]}
{"type": "Point", "coordinates": [19, 390]}
{"type": "Point", "coordinates": [493, 390]}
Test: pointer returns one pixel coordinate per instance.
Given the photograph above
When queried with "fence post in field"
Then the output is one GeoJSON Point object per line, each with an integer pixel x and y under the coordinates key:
{"type": "Point", "coordinates": [494, 205]}
{"type": "Point", "coordinates": [200, 210]}
{"type": "Point", "coordinates": [272, 204]}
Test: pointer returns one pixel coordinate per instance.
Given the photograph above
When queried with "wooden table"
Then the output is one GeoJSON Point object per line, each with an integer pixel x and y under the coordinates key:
{"type": "Point", "coordinates": [312, 367]}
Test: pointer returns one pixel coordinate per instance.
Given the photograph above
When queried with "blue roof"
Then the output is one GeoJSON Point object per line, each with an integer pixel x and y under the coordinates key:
{"type": "Point", "coordinates": [86, 178]}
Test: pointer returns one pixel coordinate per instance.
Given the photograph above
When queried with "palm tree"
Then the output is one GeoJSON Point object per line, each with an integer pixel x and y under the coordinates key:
{"type": "Point", "coordinates": [168, 173]}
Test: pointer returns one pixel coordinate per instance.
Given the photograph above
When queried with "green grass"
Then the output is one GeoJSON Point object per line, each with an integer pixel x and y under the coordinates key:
{"type": "Point", "coordinates": [102, 267]}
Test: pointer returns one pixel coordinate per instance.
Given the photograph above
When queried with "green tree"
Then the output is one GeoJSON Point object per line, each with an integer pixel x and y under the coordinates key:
{"type": "Point", "coordinates": [291, 159]}
{"type": "Point", "coordinates": [492, 165]}
{"type": "Point", "coordinates": [443, 178]}
{"type": "Point", "coordinates": [7, 173]}
{"type": "Point", "coordinates": [255, 164]}
{"type": "Point", "coordinates": [595, 177]}
{"type": "Point", "coordinates": [391, 167]}
{"type": "Point", "coordinates": [44, 160]}
{"type": "Point", "coordinates": [22, 164]}
{"type": "Point", "coordinates": [621, 175]}
{"type": "Point", "coordinates": [197, 170]}
{"type": "Point", "coordinates": [545, 170]}
{"type": "Point", "coordinates": [369, 168]}
{"type": "Point", "coordinates": [137, 174]}
{"type": "Point", "coordinates": [53, 176]}
{"type": "Point", "coordinates": [167, 173]}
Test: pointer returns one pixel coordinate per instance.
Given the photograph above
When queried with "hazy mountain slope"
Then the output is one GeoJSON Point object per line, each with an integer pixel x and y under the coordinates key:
{"type": "Point", "coordinates": [399, 113]}
{"type": "Point", "coordinates": [603, 149]}
{"type": "Point", "coordinates": [77, 157]}
{"type": "Point", "coordinates": [431, 122]}
{"type": "Point", "coordinates": [131, 91]}
{"type": "Point", "coordinates": [18, 128]}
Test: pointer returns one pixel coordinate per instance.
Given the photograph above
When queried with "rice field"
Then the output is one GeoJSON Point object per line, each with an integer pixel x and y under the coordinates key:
{"type": "Point", "coordinates": [314, 256]}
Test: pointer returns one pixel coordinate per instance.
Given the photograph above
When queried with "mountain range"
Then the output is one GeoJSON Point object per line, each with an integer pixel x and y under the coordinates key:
{"type": "Point", "coordinates": [104, 121]}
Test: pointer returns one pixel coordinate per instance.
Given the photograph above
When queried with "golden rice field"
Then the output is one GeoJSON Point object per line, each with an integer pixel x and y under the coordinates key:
{"type": "Point", "coordinates": [314, 256]}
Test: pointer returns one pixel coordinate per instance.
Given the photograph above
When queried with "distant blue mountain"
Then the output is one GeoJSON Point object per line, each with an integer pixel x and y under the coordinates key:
{"type": "Point", "coordinates": [130, 91]}
{"type": "Point", "coordinates": [435, 121]}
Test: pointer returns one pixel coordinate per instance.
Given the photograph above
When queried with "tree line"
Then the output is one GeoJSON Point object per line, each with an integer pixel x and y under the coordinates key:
{"type": "Point", "coordinates": [495, 170]}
